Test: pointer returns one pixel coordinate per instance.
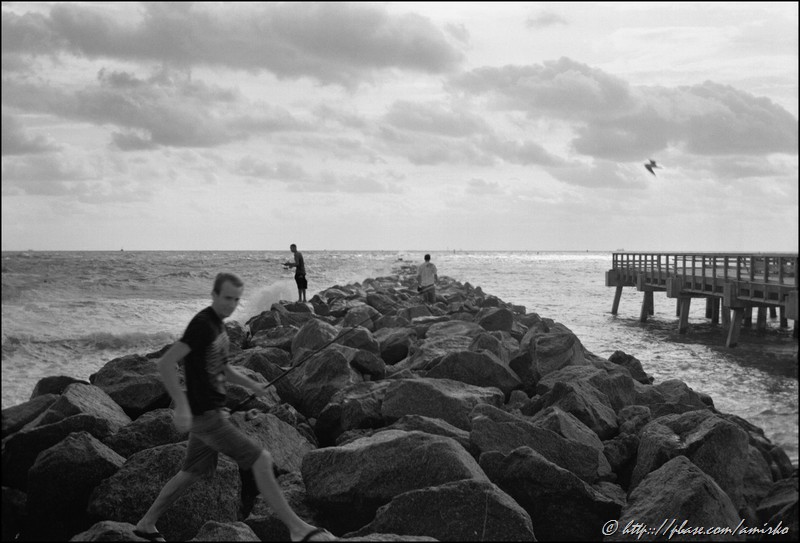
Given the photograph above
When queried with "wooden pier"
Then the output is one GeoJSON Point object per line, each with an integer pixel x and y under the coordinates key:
{"type": "Point", "coordinates": [738, 282]}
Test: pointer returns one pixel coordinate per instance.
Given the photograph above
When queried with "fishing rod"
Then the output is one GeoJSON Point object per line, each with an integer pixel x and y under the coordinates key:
{"type": "Point", "coordinates": [309, 356]}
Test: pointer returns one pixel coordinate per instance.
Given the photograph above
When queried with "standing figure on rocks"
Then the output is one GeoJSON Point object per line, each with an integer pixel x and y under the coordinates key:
{"type": "Point", "coordinates": [299, 272]}
{"type": "Point", "coordinates": [427, 278]}
{"type": "Point", "coordinates": [201, 411]}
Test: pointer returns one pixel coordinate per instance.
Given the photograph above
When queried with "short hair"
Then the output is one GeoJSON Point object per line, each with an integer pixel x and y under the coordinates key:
{"type": "Point", "coordinates": [222, 277]}
{"type": "Point", "coordinates": [427, 258]}
{"type": "Point", "coordinates": [292, 245]}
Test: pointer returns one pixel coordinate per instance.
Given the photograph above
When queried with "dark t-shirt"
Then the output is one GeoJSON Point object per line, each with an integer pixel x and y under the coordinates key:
{"type": "Point", "coordinates": [300, 270]}
{"type": "Point", "coordinates": [204, 366]}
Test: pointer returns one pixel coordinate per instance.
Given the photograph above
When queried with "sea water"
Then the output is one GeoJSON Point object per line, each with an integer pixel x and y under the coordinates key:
{"type": "Point", "coordinates": [68, 313]}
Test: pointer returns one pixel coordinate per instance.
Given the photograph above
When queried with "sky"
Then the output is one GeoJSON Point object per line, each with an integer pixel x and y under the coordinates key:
{"type": "Point", "coordinates": [400, 126]}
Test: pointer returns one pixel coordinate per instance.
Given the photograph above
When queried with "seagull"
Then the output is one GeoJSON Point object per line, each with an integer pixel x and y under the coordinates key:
{"type": "Point", "coordinates": [651, 165]}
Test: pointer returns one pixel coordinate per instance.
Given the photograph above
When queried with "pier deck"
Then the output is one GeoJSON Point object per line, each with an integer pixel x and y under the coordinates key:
{"type": "Point", "coordinates": [738, 282]}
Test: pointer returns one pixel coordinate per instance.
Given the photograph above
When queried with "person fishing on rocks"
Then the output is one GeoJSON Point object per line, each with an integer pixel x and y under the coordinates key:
{"type": "Point", "coordinates": [201, 411]}
{"type": "Point", "coordinates": [427, 278]}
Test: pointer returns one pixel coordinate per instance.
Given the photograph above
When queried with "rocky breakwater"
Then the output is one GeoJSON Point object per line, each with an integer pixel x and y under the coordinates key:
{"type": "Point", "coordinates": [468, 419]}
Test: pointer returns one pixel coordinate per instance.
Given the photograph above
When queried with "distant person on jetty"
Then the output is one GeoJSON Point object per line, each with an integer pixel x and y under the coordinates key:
{"type": "Point", "coordinates": [201, 411]}
{"type": "Point", "coordinates": [299, 272]}
{"type": "Point", "coordinates": [427, 278]}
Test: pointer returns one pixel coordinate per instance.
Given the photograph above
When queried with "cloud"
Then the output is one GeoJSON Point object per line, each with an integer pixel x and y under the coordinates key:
{"type": "Point", "coordinates": [330, 42]}
{"type": "Point", "coordinates": [168, 108]}
{"type": "Point", "coordinates": [600, 174]}
{"type": "Point", "coordinates": [480, 187]}
{"type": "Point", "coordinates": [434, 118]}
{"type": "Point", "coordinates": [545, 19]}
{"type": "Point", "coordinates": [563, 88]}
{"type": "Point", "coordinates": [616, 121]}
{"type": "Point", "coordinates": [15, 141]}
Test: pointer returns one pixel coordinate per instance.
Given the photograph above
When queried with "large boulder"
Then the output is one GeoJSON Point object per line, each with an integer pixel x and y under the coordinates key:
{"type": "Point", "coordinates": [633, 365]}
{"type": "Point", "coordinates": [266, 524]}
{"type": "Point", "coordinates": [451, 401]}
{"type": "Point", "coordinates": [495, 318]}
{"type": "Point", "coordinates": [359, 337]}
{"type": "Point", "coordinates": [225, 531]}
{"type": "Point", "coordinates": [567, 426]}
{"type": "Point", "coordinates": [280, 337]}
{"type": "Point", "coordinates": [126, 495]}
{"type": "Point", "coordinates": [319, 378]}
{"type": "Point", "coordinates": [495, 430]}
{"type": "Point", "coordinates": [60, 482]}
{"type": "Point", "coordinates": [133, 382]}
{"type": "Point", "coordinates": [561, 505]}
{"type": "Point", "coordinates": [616, 383]}
{"type": "Point", "coordinates": [476, 368]}
{"type": "Point", "coordinates": [781, 495]}
{"type": "Point", "coordinates": [395, 343]}
{"type": "Point", "coordinates": [21, 449]}
{"type": "Point", "coordinates": [499, 347]}
{"type": "Point", "coordinates": [350, 482]}
{"type": "Point", "coordinates": [552, 350]}
{"type": "Point", "coordinates": [285, 444]}
{"type": "Point", "coordinates": [437, 427]}
{"type": "Point", "coordinates": [54, 384]}
{"type": "Point", "coordinates": [466, 510]}
{"type": "Point", "coordinates": [583, 400]}
{"type": "Point", "coordinates": [271, 363]}
{"type": "Point", "coordinates": [150, 430]}
{"type": "Point", "coordinates": [353, 407]}
{"type": "Point", "coordinates": [678, 495]}
{"type": "Point", "coordinates": [315, 334]}
{"type": "Point", "coordinates": [431, 351]}
{"type": "Point", "coordinates": [15, 417]}
{"type": "Point", "coordinates": [108, 530]}
{"type": "Point", "coordinates": [454, 328]}
{"type": "Point", "coordinates": [78, 398]}
{"type": "Point", "coordinates": [361, 316]}
{"type": "Point", "coordinates": [713, 444]}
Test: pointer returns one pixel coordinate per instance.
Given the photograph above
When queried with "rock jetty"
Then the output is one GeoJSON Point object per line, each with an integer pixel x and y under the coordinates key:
{"type": "Point", "coordinates": [392, 420]}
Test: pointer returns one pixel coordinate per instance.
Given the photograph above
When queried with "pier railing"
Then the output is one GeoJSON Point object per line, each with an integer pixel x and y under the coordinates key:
{"type": "Point", "coordinates": [737, 280]}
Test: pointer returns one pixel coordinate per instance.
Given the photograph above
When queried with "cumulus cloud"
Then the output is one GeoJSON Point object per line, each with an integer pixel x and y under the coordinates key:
{"type": "Point", "coordinates": [16, 141]}
{"type": "Point", "coordinates": [564, 88]}
{"type": "Point", "coordinates": [168, 108]}
{"type": "Point", "coordinates": [615, 121]}
{"type": "Point", "coordinates": [330, 42]}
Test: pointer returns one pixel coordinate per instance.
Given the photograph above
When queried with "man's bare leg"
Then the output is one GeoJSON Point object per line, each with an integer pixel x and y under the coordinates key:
{"type": "Point", "coordinates": [174, 489]}
{"type": "Point", "coordinates": [269, 488]}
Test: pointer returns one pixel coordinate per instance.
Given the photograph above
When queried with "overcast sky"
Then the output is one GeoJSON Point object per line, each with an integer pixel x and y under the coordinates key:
{"type": "Point", "coordinates": [400, 126]}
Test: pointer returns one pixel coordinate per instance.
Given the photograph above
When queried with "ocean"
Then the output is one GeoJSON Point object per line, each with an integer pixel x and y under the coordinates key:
{"type": "Point", "coordinates": [68, 313]}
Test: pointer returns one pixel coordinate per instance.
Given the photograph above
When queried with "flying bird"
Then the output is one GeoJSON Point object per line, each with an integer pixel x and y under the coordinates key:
{"type": "Point", "coordinates": [651, 165]}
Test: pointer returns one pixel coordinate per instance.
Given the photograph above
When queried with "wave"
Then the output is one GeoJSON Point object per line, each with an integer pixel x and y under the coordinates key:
{"type": "Point", "coordinates": [93, 342]}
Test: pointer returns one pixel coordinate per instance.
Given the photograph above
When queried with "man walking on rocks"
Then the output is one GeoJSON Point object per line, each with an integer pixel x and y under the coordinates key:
{"type": "Point", "coordinates": [427, 278]}
{"type": "Point", "coordinates": [201, 411]}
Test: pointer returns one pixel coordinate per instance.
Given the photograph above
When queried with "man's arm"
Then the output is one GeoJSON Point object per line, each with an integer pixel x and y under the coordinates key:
{"type": "Point", "coordinates": [168, 368]}
{"type": "Point", "coordinates": [237, 378]}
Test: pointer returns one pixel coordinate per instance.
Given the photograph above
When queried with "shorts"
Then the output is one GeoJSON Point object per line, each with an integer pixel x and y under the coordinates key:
{"type": "Point", "coordinates": [213, 433]}
{"type": "Point", "coordinates": [301, 281]}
